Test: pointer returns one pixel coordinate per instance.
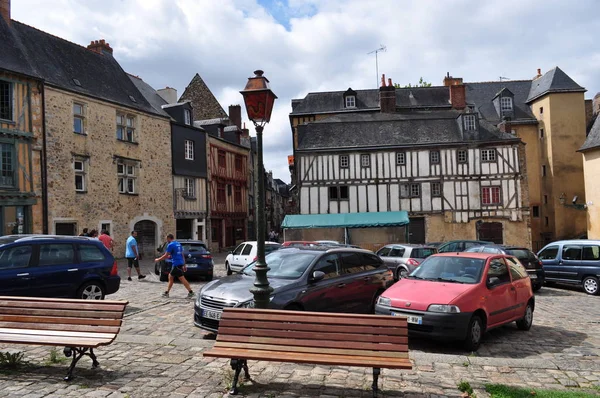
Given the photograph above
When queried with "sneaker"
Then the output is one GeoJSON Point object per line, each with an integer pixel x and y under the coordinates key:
{"type": "Point", "coordinates": [129, 279]}
{"type": "Point", "coordinates": [165, 294]}
{"type": "Point", "coordinates": [191, 295]}
{"type": "Point", "coordinates": [141, 276]}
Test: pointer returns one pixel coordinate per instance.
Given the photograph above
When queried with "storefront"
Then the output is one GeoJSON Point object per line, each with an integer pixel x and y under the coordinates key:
{"type": "Point", "coordinates": [15, 220]}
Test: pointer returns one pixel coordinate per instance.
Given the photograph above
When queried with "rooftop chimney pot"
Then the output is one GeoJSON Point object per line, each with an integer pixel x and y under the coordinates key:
{"type": "Point", "coordinates": [99, 46]}
{"type": "Point", "coordinates": [5, 10]}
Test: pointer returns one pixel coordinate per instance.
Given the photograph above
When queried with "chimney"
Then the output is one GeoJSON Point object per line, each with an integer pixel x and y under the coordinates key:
{"type": "Point", "coordinates": [539, 74]}
{"type": "Point", "coordinates": [99, 46]}
{"type": "Point", "coordinates": [458, 98]}
{"type": "Point", "coordinates": [235, 115]}
{"type": "Point", "coordinates": [5, 10]}
{"type": "Point", "coordinates": [168, 94]}
{"type": "Point", "coordinates": [451, 81]}
{"type": "Point", "coordinates": [387, 96]}
{"type": "Point", "coordinates": [596, 104]}
{"type": "Point", "coordinates": [505, 126]}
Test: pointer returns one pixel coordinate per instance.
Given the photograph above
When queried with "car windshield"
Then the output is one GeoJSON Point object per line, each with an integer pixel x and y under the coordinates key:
{"type": "Point", "coordinates": [194, 247]}
{"type": "Point", "coordinates": [284, 265]}
{"type": "Point", "coordinates": [521, 254]}
{"type": "Point", "coordinates": [450, 269]}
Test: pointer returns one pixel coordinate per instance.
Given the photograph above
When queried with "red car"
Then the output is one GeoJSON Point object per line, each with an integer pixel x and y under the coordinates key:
{"type": "Point", "coordinates": [299, 243]}
{"type": "Point", "coordinates": [459, 296]}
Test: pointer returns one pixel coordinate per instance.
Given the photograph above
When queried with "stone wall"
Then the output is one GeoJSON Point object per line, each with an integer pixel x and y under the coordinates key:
{"type": "Point", "coordinates": [204, 104]}
{"type": "Point", "coordinates": [102, 203]}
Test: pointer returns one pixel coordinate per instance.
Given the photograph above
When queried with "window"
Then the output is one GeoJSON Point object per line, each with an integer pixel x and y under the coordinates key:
{"type": "Point", "coordinates": [506, 104]}
{"type": "Point", "coordinates": [546, 221]}
{"type": "Point", "coordinates": [221, 197]}
{"type": "Point", "coordinates": [338, 193]}
{"type": "Point", "coordinates": [400, 158]}
{"type": "Point", "coordinates": [7, 165]}
{"type": "Point", "coordinates": [56, 254]}
{"type": "Point", "coordinates": [90, 254]}
{"type": "Point", "coordinates": [105, 227]}
{"type": "Point", "coordinates": [517, 271]}
{"type": "Point", "coordinates": [541, 110]}
{"type": "Point", "coordinates": [6, 105]}
{"type": "Point", "coordinates": [490, 195]}
{"type": "Point", "coordinates": [78, 119]}
{"type": "Point", "coordinates": [383, 252]}
{"type": "Point", "coordinates": [410, 190]}
{"type": "Point", "coordinates": [536, 211]}
{"type": "Point", "coordinates": [247, 250]}
{"type": "Point", "coordinates": [351, 263]}
{"type": "Point", "coordinates": [541, 133]}
{"type": "Point", "coordinates": [127, 178]}
{"type": "Point", "coordinates": [397, 252]}
{"type": "Point", "coordinates": [80, 175]}
{"type": "Point", "coordinates": [591, 253]}
{"type": "Point", "coordinates": [125, 128]}
{"type": "Point", "coordinates": [571, 252]}
{"type": "Point", "coordinates": [498, 270]}
{"type": "Point", "coordinates": [545, 199]}
{"type": "Point", "coordinates": [15, 257]}
{"type": "Point", "coordinates": [228, 189]}
{"type": "Point", "coordinates": [365, 160]}
{"type": "Point", "coordinates": [238, 195]}
{"type": "Point", "coordinates": [350, 101]}
{"type": "Point", "coordinates": [239, 162]}
{"type": "Point", "coordinates": [488, 155]}
{"type": "Point", "coordinates": [462, 156]}
{"type": "Point", "coordinates": [344, 161]}
{"type": "Point", "coordinates": [238, 250]}
{"type": "Point", "coordinates": [329, 265]}
{"type": "Point", "coordinates": [187, 115]}
{"type": "Point", "coordinates": [190, 188]}
{"type": "Point", "coordinates": [470, 124]}
{"type": "Point", "coordinates": [222, 158]}
{"type": "Point", "coordinates": [436, 189]}
{"type": "Point", "coordinates": [543, 170]}
{"type": "Point", "coordinates": [189, 150]}
{"type": "Point", "coordinates": [548, 253]}
{"type": "Point", "coordinates": [434, 157]}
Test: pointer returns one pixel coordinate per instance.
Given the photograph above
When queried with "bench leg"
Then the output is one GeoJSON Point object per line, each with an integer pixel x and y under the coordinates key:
{"type": "Point", "coordinates": [246, 373]}
{"type": "Point", "coordinates": [78, 353]}
{"type": "Point", "coordinates": [376, 372]}
{"type": "Point", "coordinates": [95, 362]}
{"type": "Point", "coordinates": [236, 364]}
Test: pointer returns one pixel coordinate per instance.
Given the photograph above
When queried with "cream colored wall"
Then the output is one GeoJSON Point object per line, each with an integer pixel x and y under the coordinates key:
{"type": "Point", "coordinates": [591, 164]}
{"type": "Point", "coordinates": [102, 201]}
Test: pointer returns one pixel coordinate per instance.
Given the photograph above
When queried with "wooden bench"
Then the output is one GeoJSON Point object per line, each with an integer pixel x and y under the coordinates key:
{"type": "Point", "coordinates": [78, 325]}
{"type": "Point", "coordinates": [311, 337]}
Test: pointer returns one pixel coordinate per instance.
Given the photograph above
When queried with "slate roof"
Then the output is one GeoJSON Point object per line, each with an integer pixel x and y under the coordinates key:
{"type": "Point", "coordinates": [553, 81]}
{"type": "Point", "coordinates": [38, 54]}
{"type": "Point", "coordinates": [150, 94]}
{"type": "Point", "coordinates": [209, 122]}
{"type": "Point", "coordinates": [363, 130]}
{"type": "Point", "coordinates": [593, 139]}
{"type": "Point", "coordinates": [481, 95]}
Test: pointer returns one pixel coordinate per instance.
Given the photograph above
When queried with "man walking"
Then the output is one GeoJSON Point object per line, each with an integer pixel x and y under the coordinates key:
{"type": "Point", "coordinates": [175, 252]}
{"type": "Point", "coordinates": [132, 254]}
{"type": "Point", "coordinates": [106, 240]}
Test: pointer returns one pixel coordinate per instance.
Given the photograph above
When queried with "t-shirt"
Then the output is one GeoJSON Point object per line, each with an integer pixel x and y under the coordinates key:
{"type": "Point", "coordinates": [176, 251]}
{"type": "Point", "coordinates": [106, 240]}
{"type": "Point", "coordinates": [131, 243]}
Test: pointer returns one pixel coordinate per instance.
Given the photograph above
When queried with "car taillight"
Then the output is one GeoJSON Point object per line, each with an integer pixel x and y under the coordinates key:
{"type": "Point", "coordinates": [255, 258]}
{"type": "Point", "coordinates": [206, 256]}
{"type": "Point", "coordinates": [115, 270]}
{"type": "Point", "coordinates": [541, 264]}
{"type": "Point", "coordinates": [412, 261]}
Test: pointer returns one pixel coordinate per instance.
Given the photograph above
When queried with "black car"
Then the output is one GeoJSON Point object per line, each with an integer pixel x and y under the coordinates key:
{"type": "Point", "coordinates": [312, 279]}
{"type": "Point", "coordinates": [56, 266]}
{"type": "Point", "coordinates": [198, 260]}
{"type": "Point", "coordinates": [530, 261]}
{"type": "Point", "coordinates": [460, 245]}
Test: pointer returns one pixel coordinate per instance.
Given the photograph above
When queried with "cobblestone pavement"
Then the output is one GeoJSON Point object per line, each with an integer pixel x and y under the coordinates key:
{"type": "Point", "coordinates": [159, 354]}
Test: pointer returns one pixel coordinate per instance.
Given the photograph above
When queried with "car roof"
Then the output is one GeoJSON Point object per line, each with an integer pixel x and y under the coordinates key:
{"type": "Point", "coordinates": [191, 241]}
{"type": "Point", "coordinates": [253, 242]}
{"type": "Point", "coordinates": [39, 237]}
{"type": "Point", "coordinates": [575, 241]}
{"type": "Point", "coordinates": [325, 249]}
{"type": "Point", "coordinates": [414, 245]}
{"type": "Point", "coordinates": [478, 255]}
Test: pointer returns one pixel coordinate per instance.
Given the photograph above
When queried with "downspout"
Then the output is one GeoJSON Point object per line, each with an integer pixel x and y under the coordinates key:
{"type": "Point", "coordinates": [43, 163]}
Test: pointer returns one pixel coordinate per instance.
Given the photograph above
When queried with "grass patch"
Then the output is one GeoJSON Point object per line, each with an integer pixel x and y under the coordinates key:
{"type": "Point", "coordinates": [466, 389]}
{"type": "Point", "coordinates": [11, 360]}
{"type": "Point", "coordinates": [502, 391]}
{"type": "Point", "coordinates": [55, 357]}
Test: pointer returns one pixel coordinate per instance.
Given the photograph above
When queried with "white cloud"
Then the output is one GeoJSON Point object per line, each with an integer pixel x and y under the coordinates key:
{"type": "Point", "coordinates": [326, 43]}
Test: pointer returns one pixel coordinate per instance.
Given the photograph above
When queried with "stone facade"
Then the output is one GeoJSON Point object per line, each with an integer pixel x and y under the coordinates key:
{"type": "Point", "coordinates": [100, 203]}
{"type": "Point", "coordinates": [203, 101]}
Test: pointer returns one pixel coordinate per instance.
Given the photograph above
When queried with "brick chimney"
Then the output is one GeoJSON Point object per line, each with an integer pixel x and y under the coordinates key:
{"type": "Point", "coordinates": [235, 115]}
{"type": "Point", "coordinates": [387, 96]}
{"type": "Point", "coordinates": [451, 81]}
{"type": "Point", "coordinates": [5, 10]}
{"type": "Point", "coordinates": [539, 74]}
{"type": "Point", "coordinates": [458, 98]}
{"type": "Point", "coordinates": [99, 46]}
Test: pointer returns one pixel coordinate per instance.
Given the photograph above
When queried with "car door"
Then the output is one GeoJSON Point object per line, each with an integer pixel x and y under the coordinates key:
{"type": "Point", "coordinates": [324, 295]}
{"type": "Point", "coordinates": [549, 258]}
{"type": "Point", "coordinates": [236, 254]}
{"type": "Point", "coordinates": [246, 256]}
{"type": "Point", "coordinates": [570, 263]}
{"type": "Point", "coordinates": [92, 264]}
{"type": "Point", "coordinates": [56, 270]}
{"type": "Point", "coordinates": [14, 270]}
{"type": "Point", "coordinates": [590, 262]}
{"type": "Point", "coordinates": [384, 254]}
{"type": "Point", "coordinates": [355, 283]}
{"type": "Point", "coordinates": [521, 283]}
{"type": "Point", "coordinates": [501, 295]}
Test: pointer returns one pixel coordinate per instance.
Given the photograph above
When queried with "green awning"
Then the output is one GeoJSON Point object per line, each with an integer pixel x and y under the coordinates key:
{"type": "Point", "coordinates": [346, 220]}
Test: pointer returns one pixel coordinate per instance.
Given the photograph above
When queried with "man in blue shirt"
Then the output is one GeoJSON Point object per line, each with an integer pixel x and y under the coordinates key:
{"type": "Point", "coordinates": [132, 254]}
{"type": "Point", "coordinates": [174, 252]}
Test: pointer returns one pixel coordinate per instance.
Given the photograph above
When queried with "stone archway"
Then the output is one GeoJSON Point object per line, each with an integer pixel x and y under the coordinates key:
{"type": "Point", "coordinates": [146, 237]}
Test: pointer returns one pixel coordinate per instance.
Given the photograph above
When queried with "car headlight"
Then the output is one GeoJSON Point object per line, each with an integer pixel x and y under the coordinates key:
{"type": "Point", "coordinates": [386, 302]}
{"type": "Point", "coordinates": [445, 308]}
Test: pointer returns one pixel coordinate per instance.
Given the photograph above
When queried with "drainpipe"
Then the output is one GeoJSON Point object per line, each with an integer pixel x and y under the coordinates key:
{"type": "Point", "coordinates": [43, 163]}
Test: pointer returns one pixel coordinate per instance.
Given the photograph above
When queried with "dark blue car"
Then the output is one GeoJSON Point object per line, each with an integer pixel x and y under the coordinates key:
{"type": "Point", "coordinates": [56, 266]}
{"type": "Point", "coordinates": [198, 260]}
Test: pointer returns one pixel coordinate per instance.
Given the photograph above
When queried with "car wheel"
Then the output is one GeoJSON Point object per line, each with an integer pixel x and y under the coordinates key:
{"type": "Point", "coordinates": [208, 278]}
{"type": "Point", "coordinates": [527, 320]}
{"type": "Point", "coordinates": [474, 334]}
{"type": "Point", "coordinates": [372, 309]}
{"type": "Point", "coordinates": [163, 277]}
{"type": "Point", "coordinates": [91, 291]}
{"type": "Point", "coordinates": [229, 272]}
{"type": "Point", "coordinates": [401, 273]}
{"type": "Point", "coordinates": [536, 287]}
{"type": "Point", "coordinates": [590, 285]}
{"type": "Point", "coordinates": [156, 269]}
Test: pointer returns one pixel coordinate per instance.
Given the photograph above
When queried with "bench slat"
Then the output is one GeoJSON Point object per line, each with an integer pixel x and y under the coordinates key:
{"type": "Point", "coordinates": [349, 338]}
{"type": "Point", "coordinates": [307, 327]}
{"type": "Point", "coordinates": [344, 360]}
{"type": "Point", "coordinates": [53, 340]}
{"type": "Point", "coordinates": [60, 327]}
{"type": "Point", "coordinates": [58, 320]}
{"type": "Point", "coordinates": [59, 300]}
{"type": "Point", "coordinates": [62, 313]}
{"type": "Point", "coordinates": [403, 347]}
{"type": "Point", "coordinates": [44, 333]}
{"type": "Point", "coordinates": [64, 304]}
{"type": "Point", "coordinates": [314, 350]}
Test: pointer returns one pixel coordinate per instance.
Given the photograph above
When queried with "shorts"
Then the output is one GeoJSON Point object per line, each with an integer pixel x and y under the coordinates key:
{"type": "Point", "coordinates": [133, 262]}
{"type": "Point", "coordinates": [177, 271]}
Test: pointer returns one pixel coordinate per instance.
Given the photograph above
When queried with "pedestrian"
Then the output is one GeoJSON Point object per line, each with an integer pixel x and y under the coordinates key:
{"type": "Point", "coordinates": [271, 236]}
{"type": "Point", "coordinates": [94, 234]}
{"type": "Point", "coordinates": [178, 267]}
{"type": "Point", "coordinates": [84, 233]}
{"type": "Point", "coordinates": [132, 254]}
{"type": "Point", "coordinates": [106, 240]}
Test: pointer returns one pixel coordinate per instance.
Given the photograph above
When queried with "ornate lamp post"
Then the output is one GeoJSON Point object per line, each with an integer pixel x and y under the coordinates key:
{"type": "Point", "coordinates": [259, 100]}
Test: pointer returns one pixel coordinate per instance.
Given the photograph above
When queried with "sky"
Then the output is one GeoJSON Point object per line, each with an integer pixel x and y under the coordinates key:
{"type": "Point", "coordinates": [323, 45]}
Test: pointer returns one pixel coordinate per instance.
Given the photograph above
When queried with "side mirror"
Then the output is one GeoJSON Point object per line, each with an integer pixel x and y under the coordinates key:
{"type": "Point", "coordinates": [229, 252]}
{"type": "Point", "coordinates": [492, 281]}
{"type": "Point", "coordinates": [317, 276]}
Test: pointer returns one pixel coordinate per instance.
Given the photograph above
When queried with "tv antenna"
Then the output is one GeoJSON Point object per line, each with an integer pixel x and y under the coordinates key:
{"type": "Point", "coordinates": [502, 78]}
{"type": "Point", "coordinates": [381, 48]}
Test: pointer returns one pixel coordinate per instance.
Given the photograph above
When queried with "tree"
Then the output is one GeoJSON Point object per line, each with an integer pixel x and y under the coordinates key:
{"type": "Point", "coordinates": [421, 83]}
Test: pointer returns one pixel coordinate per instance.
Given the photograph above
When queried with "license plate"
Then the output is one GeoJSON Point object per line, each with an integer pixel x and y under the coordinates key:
{"type": "Point", "coordinates": [192, 265]}
{"type": "Point", "coordinates": [212, 314]}
{"type": "Point", "coordinates": [417, 320]}
{"type": "Point", "coordinates": [533, 276]}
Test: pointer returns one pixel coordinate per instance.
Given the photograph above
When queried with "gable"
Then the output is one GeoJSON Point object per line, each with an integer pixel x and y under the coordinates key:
{"type": "Point", "coordinates": [203, 101]}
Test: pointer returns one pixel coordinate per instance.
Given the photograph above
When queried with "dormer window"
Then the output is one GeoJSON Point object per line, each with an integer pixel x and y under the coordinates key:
{"type": "Point", "coordinates": [187, 116]}
{"type": "Point", "coordinates": [506, 104]}
{"type": "Point", "coordinates": [470, 123]}
{"type": "Point", "coordinates": [350, 101]}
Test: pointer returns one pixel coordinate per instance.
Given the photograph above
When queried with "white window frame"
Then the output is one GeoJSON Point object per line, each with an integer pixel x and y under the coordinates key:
{"type": "Point", "coordinates": [127, 124]}
{"type": "Point", "coordinates": [190, 187]}
{"type": "Point", "coordinates": [470, 122]}
{"type": "Point", "coordinates": [350, 101]}
{"type": "Point", "coordinates": [127, 176]}
{"type": "Point", "coordinates": [400, 158]}
{"type": "Point", "coordinates": [410, 190]}
{"type": "Point", "coordinates": [488, 155]}
{"type": "Point", "coordinates": [79, 116]}
{"type": "Point", "coordinates": [80, 172]}
{"type": "Point", "coordinates": [506, 104]}
{"type": "Point", "coordinates": [435, 157]}
{"type": "Point", "coordinates": [344, 161]}
{"type": "Point", "coordinates": [491, 195]}
{"type": "Point", "coordinates": [365, 160]}
{"type": "Point", "coordinates": [189, 150]}
{"type": "Point", "coordinates": [187, 116]}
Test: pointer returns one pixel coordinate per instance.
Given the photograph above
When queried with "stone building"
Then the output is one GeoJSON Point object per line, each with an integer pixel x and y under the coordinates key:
{"type": "Point", "coordinates": [591, 165]}
{"type": "Point", "coordinates": [203, 101]}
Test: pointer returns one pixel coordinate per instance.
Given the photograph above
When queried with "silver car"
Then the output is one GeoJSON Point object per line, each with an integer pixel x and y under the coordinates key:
{"type": "Point", "coordinates": [402, 259]}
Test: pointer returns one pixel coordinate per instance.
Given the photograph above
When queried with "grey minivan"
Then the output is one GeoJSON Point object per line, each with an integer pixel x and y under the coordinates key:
{"type": "Point", "coordinates": [574, 262]}
{"type": "Point", "coordinates": [402, 259]}
{"type": "Point", "coordinates": [312, 279]}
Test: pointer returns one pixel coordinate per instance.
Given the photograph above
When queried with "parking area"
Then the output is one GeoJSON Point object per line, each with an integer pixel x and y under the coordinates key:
{"type": "Point", "coordinates": [159, 354]}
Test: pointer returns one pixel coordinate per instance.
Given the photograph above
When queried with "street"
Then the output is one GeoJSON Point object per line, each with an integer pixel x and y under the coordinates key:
{"type": "Point", "coordinates": [158, 353]}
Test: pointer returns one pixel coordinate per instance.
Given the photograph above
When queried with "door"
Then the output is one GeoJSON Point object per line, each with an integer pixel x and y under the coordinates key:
{"type": "Point", "coordinates": [146, 238]}
{"type": "Point", "coordinates": [56, 270]}
{"type": "Point", "coordinates": [235, 256]}
{"type": "Point", "coordinates": [324, 295]}
{"type": "Point", "coordinates": [590, 264]}
{"type": "Point", "coordinates": [549, 258]}
{"type": "Point", "coordinates": [14, 270]}
{"type": "Point", "coordinates": [354, 282]}
{"type": "Point", "coordinates": [569, 264]}
{"type": "Point", "coordinates": [91, 262]}
{"type": "Point", "coordinates": [416, 230]}
{"type": "Point", "coordinates": [501, 297]}
{"type": "Point", "coordinates": [522, 285]}
{"type": "Point", "coordinates": [246, 256]}
{"type": "Point", "coordinates": [491, 232]}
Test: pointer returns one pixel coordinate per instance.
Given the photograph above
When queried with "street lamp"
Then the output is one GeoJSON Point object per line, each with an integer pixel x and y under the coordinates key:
{"type": "Point", "coordinates": [259, 100]}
